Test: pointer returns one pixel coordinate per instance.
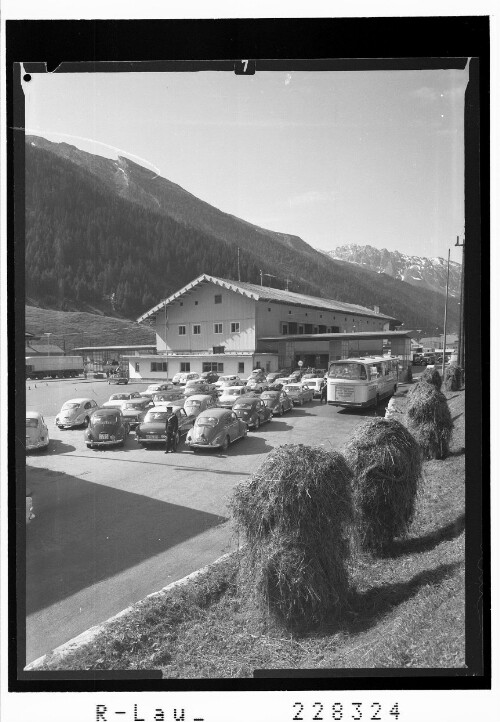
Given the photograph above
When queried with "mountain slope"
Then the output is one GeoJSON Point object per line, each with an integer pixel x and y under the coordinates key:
{"type": "Point", "coordinates": [110, 235]}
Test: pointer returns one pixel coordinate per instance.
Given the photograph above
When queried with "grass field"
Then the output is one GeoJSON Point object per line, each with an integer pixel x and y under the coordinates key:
{"type": "Point", "coordinates": [71, 329]}
{"type": "Point", "coordinates": [406, 607]}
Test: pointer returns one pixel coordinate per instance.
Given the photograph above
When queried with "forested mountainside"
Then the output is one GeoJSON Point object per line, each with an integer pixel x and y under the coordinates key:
{"type": "Point", "coordinates": [111, 236]}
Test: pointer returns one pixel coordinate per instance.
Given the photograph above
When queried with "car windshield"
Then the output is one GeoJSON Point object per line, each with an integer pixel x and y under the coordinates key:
{"type": "Point", "coordinates": [98, 418]}
{"type": "Point", "coordinates": [206, 421]}
{"type": "Point", "coordinates": [268, 395]}
{"type": "Point", "coordinates": [292, 388]}
{"type": "Point", "coordinates": [195, 402]}
{"type": "Point", "coordinates": [351, 371]}
{"type": "Point", "coordinates": [153, 388]}
{"type": "Point", "coordinates": [134, 405]}
{"type": "Point", "coordinates": [243, 405]}
{"type": "Point", "coordinates": [71, 405]}
{"type": "Point", "coordinates": [156, 416]}
{"type": "Point", "coordinates": [31, 423]}
{"type": "Point", "coordinates": [119, 397]}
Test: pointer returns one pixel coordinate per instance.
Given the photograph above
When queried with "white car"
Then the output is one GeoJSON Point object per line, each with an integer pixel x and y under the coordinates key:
{"type": "Point", "coordinates": [257, 384]}
{"type": "Point", "coordinates": [76, 412]}
{"type": "Point", "coordinates": [37, 433]}
{"type": "Point", "coordinates": [157, 388]}
{"type": "Point", "coordinates": [316, 384]}
{"type": "Point", "coordinates": [228, 380]}
{"type": "Point", "coordinates": [118, 400]}
{"type": "Point", "coordinates": [183, 377]}
{"type": "Point", "coordinates": [230, 394]}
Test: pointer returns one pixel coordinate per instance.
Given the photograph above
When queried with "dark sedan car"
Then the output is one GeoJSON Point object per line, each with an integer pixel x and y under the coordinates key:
{"type": "Point", "coordinates": [253, 411]}
{"type": "Point", "coordinates": [107, 427]}
{"type": "Point", "coordinates": [210, 377]}
{"type": "Point", "coordinates": [278, 401]}
{"type": "Point", "coordinates": [152, 429]}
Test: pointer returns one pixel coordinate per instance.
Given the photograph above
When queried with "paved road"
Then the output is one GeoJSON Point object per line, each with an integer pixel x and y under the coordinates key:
{"type": "Point", "coordinates": [114, 525]}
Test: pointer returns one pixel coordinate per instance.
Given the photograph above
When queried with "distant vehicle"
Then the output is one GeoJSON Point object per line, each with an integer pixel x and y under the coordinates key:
{"type": "Point", "coordinates": [258, 384]}
{"type": "Point", "coordinates": [299, 393]}
{"type": "Point", "coordinates": [119, 378]}
{"type": "Point", "coordinates": [199, 386]}
{"type": "Point", "coordinates": [314, 383]}
{"type": "Point", "coordinates": [230, 394]}
{"type": "Point", "coordinates": [194, 405]}
{"type": "Point", "coordinates": [253, 411]}
{"type": "Point", "coordinates": [183, 377]}
{"type": "Point", "coordinates": [152, 429]}
{"type": "Point", "coordinates": [216, 428]}
{"type": "Point", "coordinates": [173, 393]}
{"type": "Point", "coordinates": [362, 381]}
{"type": "Point", "coordinates": [278, 401]}
{"type": "Point", "coordinates": [277, 385]}
{"type": "Point", "coordinates": [37, 433]}
{"type": "Point", "coordinates": [76, 412]}
{"type": "Point", "coordinates": [272, 377]}
{"type": "Point", "coordinates": [41, 367]}
{"type": "Point", "coordinates": [135, 410]}
{"type": "Point", "coordinates": [157, 388]}
{"type": "Point", "coordinates": [296, 375]}
{"type": "Point", "coordinates": [258, 374]}
{"type": "Point", "coordinates": [107, 427]}
{"type": "Point", "coordinates": [117, 400]}
{"type": "Point", "coordinates": [228, 380]}
{"type": "Point", "coordinates": [210, 376]}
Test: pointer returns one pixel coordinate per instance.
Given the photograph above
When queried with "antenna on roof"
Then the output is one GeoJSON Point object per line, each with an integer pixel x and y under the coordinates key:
{"type": "Point", "coordinates": [239, 275]}
{"type": "Point", "coordinates": [287, 282]}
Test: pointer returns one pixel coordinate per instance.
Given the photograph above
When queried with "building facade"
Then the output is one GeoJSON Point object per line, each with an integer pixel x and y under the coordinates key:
{"type": "Point", "coordinates": [226, 326]}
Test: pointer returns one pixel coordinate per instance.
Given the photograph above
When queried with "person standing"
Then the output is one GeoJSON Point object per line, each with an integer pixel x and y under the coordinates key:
{"type": "Point", "coordinates": [171, 429]}
{"type": "Point", "coordinates": [323, 392]}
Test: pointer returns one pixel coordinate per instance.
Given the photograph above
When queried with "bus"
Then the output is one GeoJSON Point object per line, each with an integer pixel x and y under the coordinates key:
{"type": "Point", "coordinates": [361, 381]}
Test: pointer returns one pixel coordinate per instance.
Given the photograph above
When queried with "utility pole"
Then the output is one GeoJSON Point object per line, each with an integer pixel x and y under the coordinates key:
{"type": "Point", "coordinates": [461, 325]}
{"type": "Point", "coordinates": [287, 282]}
{"type": "Point", "coordinates": [239, 275]}
{"type": "Point", "coordinates": [445, 315]}
{"type": "Point", "coordinates": [261, 277]}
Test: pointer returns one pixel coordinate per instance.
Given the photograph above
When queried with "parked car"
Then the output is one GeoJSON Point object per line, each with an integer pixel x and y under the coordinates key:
{"type": "Point", "coordinates": [76, 412]}
{"type": "Point", "coordinates": [174, 393]}
{"type": "Point", "coordinates": [296, 375]}
{"type": "Point", "coordinates": [230, 394]}
{"type": "Point", "coordinates": [135, 410]}
{"type": "Point", "coordinates": [194, 405]}
{"type": "Point", "coordinates": [253, 411]}
{"type": "Point", "coordinates": [277, 385]}
{"type": "Point", "coordinates": [37, 433]}
{"type": "Point", "coordinates": [258, 374]}
{"type": "Point", "coordinates": [198, 386]}
{"type": "Point", "coordinates": [210, 376]}
{"type": "Point", "coordinates": [278, 401]}
{"type": "Point", "coordinates": [316, 384]}
{"type": "Point", "coordinates": [257, 384]}
{"type": "Point", "coordinates": [228, 380]}
{"type": "Point", "coordinates": [272, 377]}
{"type": "Point", "coordinates": [216, 428]}
{"type": "Point", "coordinates": [157, 388]}
{"type": "Point", "coordinates": [299, 393]}
{"type": "Point", "coordinates": [152, 429]}
{"type": "Point", "coordinates": [107, 427]}
{"type": "Point", "coordinates": [184, 376]}
{"type": "Point", "coordinates": [116, 400]}
{"type": "Point", "coordinates": [117, 379]}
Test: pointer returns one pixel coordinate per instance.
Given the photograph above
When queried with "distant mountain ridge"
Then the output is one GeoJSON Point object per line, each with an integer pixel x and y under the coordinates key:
{"type": "Point", "coordinates": [419, 271]}
{"type": "Point", "coordinates": [110, 236]}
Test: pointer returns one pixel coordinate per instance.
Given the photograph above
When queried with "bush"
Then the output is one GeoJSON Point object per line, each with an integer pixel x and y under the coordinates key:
{"type": "Point", "coordinates": [297, 515]}
{"type": "Point", "coordinates": [432, 376]}
{"type": "Point", "coordinates": [386, 462]}
{"type": "Point", "coordinates": [453, 378]}
{"type": "Point", "coordinates": [428, 418]}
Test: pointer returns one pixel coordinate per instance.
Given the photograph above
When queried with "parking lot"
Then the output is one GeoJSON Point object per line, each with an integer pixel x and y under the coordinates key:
{"type": "Point", "coordinates": [115, 524]}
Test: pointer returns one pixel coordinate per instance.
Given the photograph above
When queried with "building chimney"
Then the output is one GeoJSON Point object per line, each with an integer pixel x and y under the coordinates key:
{"type": "Point", "coordinates": [376, 309]}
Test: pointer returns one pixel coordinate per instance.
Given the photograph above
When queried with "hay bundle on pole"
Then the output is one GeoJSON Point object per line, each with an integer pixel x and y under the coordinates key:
{"type": "Point", "coordinates": [297, 515]}
{"type": "Point", "coordinates": [432, 376]}
{"type": "Point", "coordinates": [453, 378]}
{"type": "Point", "coordinates": [428, 418]}
{"type": "Point", "coordinates": [386, 462]}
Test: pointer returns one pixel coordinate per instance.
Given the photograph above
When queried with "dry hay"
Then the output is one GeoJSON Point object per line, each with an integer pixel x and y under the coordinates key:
{"type": "Point", "coordinates": [432, 376]}
{"type": "Point", "coordinates": [297, 515]}
{"type": "Point", "coordinates": [453, 378]}
{"type": "Point", "coordinates": [428, 418]}
{"type": "Point", "coordinates": [386, 462]}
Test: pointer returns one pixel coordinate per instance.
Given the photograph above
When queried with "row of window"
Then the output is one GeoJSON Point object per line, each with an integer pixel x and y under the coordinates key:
{"type": "Point", "coordinates": [215, 366]}
{"type": "Point", "coordinates": [218, 328]}
{"type": "Point", "coordinates": [293, 327]}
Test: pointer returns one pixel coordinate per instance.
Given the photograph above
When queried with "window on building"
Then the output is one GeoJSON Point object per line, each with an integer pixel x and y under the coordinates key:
{"type": "Point", "coordinates": [156, 366]}
{"type": "Point", "coordinates": [182, 330]}
{"type": "Point", "coordinates": [290, 313]}
{"type": "Point", "coordinates": [308, 328]}
{"type": "Point", "coordinates": [217, 328]}
{"type": "Point", "coordinates": [137, 367]}
{"type": "Point", "coordinates": [241, 367]}
{"type": "Point", "coordinates": [284, 328]}
{"type": "Point", "coordinates": [235, 326]}
{"type": "Point", "coordinates": [218, 349]}
{"type": "Point", "coordinates": [301, 329]}
{"type": "Point", "coordinates": [292, 327]}
{"type": "Point", "coordinates": [196, 329]}
{"type": "Point", "coordinates": [218, 298]}
{"type": "Point", "coordinates": [185, 366]}
{"type": "Point", "coordinates": [321, 329]}
{"type": "Point", "coordinates": [196, 303]}
{"type": "Point", "coordinates": [213, 366]}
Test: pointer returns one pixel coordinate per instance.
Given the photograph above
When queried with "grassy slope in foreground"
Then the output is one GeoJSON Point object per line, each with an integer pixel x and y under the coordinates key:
{"type": "Point", "coordinates": [79, 328]}
{"type": "Point", "coordinates": [407, 609]}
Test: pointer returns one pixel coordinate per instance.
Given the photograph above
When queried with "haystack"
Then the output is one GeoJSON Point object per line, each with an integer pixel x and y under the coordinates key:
{"type": "Point", "coordinates": [432, 376]}
{"type": "Point", "coordinates": [297, 515]}
{"type": "Point", "coordinates": [386, 463]}
{"type": "Point", "coordinates": [428, 418]}
{"type": "Point", "coordinates": [453, 378]}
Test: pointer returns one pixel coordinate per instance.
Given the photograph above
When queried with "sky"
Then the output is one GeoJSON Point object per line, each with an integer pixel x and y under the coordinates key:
{"type": "Point", "coordinates": [371, 158]}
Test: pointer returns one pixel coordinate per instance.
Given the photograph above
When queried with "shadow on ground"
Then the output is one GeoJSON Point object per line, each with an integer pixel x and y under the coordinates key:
{"type": "Point", "coordinates": [86, 532]}
{"type": "Point", "coordinates": [416, 545]}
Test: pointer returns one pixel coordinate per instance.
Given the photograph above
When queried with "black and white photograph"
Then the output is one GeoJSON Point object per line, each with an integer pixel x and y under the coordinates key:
{"type": "Point", "coordinates": [250, 378]}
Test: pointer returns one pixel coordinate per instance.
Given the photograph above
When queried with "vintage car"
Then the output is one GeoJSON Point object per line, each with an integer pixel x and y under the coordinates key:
{"type": "Point", "coordinates": [210, 376]}
{"type": "Point", "coordinates": [107, 427]}
{"type": "Point", "coordinates": [118, 378]}
{"type": "Point", "coordinates": [174, 393]}
{"type": "Point", "coordinates": [37, 433]}
{"type": "Point", "coordinates": [76, 412]}
{"type": "Point", "coordinates": [257, 384]}
{"type": "Point", "coordinates": [116, 400]}
{"type": "Point", "coordinates": [228, 380]}
{"type": "Point", "coordinates": [316, 384]}
{"type": "Point", "coordinates": [135, 410]}
{"type": "Point", "coordinates": [184, 376]}
{"type": "Point", "coordinates": [299, 393]}
{"type": "Point", "coordinates": [152, 429]}
{"type": "Point", "coordinates": [197, 403]}
{"type": "Point", "coordinates": [157, 388]}
{"type": "Point", "coordinates": [216, 428]}
{"type": "Point", "coordinates": [278, 401]}
{"type": "Point", "coordinates": [253, 411]}
{"type": "Point", "coordinates": [198, 386]}
{"type": "Point", "coordinates": [274, 376]}
{"type": "Point", "coordinates": [229, 394]}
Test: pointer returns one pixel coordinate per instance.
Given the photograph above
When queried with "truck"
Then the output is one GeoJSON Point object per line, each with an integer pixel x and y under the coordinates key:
{"type": "Point", "coordinates": [39, 367]}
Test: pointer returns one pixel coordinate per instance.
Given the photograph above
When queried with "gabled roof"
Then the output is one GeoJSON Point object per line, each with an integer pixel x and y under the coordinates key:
{"type": "Point", "coordinates": [262, 293]}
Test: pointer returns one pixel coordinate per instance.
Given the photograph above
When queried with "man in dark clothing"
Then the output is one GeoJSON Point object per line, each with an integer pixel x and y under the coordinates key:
{"type": "Point", "coordinates": [323, 392]}
{"type": "Point", "coordinates": [171, 429]}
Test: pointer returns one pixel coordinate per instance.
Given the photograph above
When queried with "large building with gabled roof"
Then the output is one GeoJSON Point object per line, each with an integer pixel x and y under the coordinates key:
{"type": "Point", "coordinates": [232, 327]}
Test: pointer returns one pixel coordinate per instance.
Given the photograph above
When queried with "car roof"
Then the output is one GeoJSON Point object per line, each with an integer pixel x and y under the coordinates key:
{"type": "Point", "coordinates": [33, 414]}
{"type": "Point", "coordinates": [77, 400]}
{"type": "Point", "coordinates": [217, 412]}
{"type": "Point", "coordinates": [108, 410]}
{"type": "Point", "coordinates": [198, 397]}
{"type": "Point", "coordinates": [164, 407]}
